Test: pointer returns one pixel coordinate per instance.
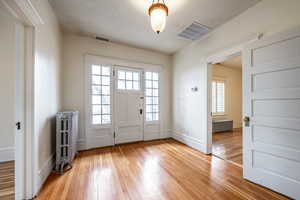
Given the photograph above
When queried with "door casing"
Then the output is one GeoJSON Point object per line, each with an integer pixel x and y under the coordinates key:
{"type": "Point", "coordinates": [27, 18]}
{"type": "Point", "coordinates": [107, 139]}
{"type": "Point", "coordinates": [213, 59]}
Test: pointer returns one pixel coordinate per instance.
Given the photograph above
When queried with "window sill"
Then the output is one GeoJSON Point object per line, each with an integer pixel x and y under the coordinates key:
{"type": "Point", "coordinates": [219, 114]}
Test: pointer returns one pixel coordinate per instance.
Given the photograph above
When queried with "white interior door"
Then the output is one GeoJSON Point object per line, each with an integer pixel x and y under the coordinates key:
{"type": "Point", "coordinates": [272, 102]}
{"type": "Point", "coordinates": [128, 106]}
{"type": "Point", "coordinates": [12, 97]}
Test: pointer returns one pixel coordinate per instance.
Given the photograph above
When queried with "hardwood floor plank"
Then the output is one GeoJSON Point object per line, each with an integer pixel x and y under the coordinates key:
{"type": "Point", "coordinates": [154, 170]}
{"type": "Point", "coordinates": [229, 145]}
{"type": "Point", "coordinates": [7, 180]}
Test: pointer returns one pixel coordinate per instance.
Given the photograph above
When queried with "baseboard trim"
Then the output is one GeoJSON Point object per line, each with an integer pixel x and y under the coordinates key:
{"type": "Point", "coordinates": [107, 140]}
{"type": "Point", "coordinates": [7, 154]}
{"type": "Point", "coordinates": [190, 141]}
{"type": "Point", "coordinates": [81, 144]}
{"type": "Point", "coordinates": [45, 171]}
{"type": "Point", "coordinates": [166, 134]}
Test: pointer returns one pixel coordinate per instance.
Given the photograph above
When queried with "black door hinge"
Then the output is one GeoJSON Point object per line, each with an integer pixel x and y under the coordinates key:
{"type": "Point", "coordinates": [18, 125]}
{"type": "Point", "coordinates": [114, 134]}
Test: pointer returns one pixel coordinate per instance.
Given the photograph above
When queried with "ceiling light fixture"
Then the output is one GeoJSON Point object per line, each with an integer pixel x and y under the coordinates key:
{"type": "Point", "coordinates": [158, 13]}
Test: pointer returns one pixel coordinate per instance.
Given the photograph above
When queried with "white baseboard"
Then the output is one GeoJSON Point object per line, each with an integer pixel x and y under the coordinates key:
{"type": "Point", "coordinates": [81, 144]}
{"type": "Point", "coordinates": [45, 171]}
{"type": "Point", "coordinates": [166, 134]}
{"type": "Point", "coordinates": [107, 140]}
{"type": "Point", "coordinates": [190, 141]}
{"type": "Point", "coordinates": [7, 154]}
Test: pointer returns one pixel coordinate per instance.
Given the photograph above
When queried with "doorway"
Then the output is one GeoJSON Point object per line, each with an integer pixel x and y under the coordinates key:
{"type": "Point", "coordinates": [11, 106]}
{"type": "Point", "coordinates": [226, 106]}
{"type": "Point", "coordinates": [122, 101]}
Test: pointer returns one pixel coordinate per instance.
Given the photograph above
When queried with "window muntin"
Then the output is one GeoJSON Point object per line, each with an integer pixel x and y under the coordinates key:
{"type": "Point", "coordinates": [152, 95]}
{"type": "Point", "coordinates": [128, 80]}
{"type": "Point", "coordinates": [100, 94]}
{"type": "Point", "coordinates": [218, 97]}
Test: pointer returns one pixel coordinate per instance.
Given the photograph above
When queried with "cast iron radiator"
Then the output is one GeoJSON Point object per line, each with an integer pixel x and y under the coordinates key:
{"type": "Point", "coordinates": [222, 125]}
{"type": "Point", "coordinates": [66, 139]}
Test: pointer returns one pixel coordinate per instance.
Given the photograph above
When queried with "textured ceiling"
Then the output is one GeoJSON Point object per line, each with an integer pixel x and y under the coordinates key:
{"type": "Point", "coordinates": [126, 21]}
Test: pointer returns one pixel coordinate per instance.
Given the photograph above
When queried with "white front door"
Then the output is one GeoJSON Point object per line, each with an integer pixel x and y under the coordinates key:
{"type": "Point", "coordinates": [272, 103]}
{"type": "Point", "coordinates": [129, 101]}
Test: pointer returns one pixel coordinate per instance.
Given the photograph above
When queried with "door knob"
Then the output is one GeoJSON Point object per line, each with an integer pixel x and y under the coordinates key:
{"type": "Point", "coordinates": [247, 121]}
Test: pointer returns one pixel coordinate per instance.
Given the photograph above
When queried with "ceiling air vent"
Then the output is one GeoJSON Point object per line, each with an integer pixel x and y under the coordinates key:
{"type": "Point", "coordinates": [102, 39]}
{"type": "Point", "coordinates": [194, 31]}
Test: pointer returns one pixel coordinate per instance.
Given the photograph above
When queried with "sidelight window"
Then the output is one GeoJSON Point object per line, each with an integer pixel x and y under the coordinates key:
{"type": "Point", "coordinates": [152, 96]}
{"type": "Point", "coordinates": [100, 92]}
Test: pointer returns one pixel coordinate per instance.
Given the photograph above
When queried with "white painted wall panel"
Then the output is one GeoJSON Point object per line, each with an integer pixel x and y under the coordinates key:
{"type": "Point", "coordinates": [47, 80]}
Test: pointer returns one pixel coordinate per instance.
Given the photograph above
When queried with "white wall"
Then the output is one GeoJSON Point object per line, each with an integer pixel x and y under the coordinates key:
{"type": "Point", "coordinates": [189, 68]}
{"type": "Point", "coordinates": [233, 93]}
{"type": "Point", "coordinates": [7, 87]}
{"type": "Point", "coordinates": [47, 91]}
{"type": "Point", "coordinates": [74, 50]}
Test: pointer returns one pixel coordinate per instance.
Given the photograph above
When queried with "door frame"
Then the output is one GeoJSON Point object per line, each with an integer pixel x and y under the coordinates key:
{"type": "Point", "coordinates": [213, 59]}
{"type": "Point", "coordinates": [26, 15]}
{"type": "Point", "coordinates": [112, 61]}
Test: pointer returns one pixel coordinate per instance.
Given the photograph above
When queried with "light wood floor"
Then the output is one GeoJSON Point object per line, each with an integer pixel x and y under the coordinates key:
{"type": "Point", "coordinates": [7, 180]}
{"type": "Point", "coordinates": [156, 170]}
{"type": "Point", "coordinates": [229, 145]}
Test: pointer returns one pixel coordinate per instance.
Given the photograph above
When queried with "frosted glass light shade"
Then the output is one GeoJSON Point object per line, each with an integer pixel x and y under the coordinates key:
{"type": "Point", "coordinates": [158, 15]}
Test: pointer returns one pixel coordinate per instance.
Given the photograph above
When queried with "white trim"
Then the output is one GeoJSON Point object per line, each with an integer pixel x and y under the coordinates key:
{"type": "Point", "coordinates": [208, 135]}
{"type": "Point", "coordinates": [166, 134]}
{"type": "Point", "coordinates": [7, 154]}
{"type": "Point", "coordinates": [190, 141]}
{"type": "Point", "coordinates": [213, 59]}
{"type": "Point", "coordinates": [32, 138]}
{"type": "Point", "coordinates": [224, 96]}
{"type": "Point", "coordinates": [24, 11]}
{"type": "Point", "coordinates": [230, 52]}
{"type": "Point", "coordinates": [81, 144]}
{"type": "Point", "coordinates": [45, 171]}
{"type": "Point", "coordinates": [123, 62]}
